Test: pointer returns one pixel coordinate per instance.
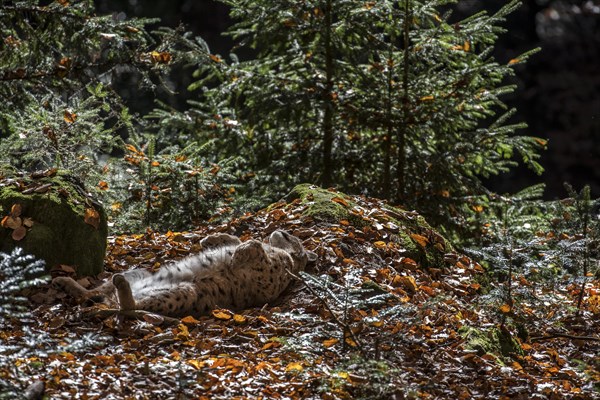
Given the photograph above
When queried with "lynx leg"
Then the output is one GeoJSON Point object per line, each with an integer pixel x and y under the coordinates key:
{"type": "Point", "coordinates": [126, 301]}
{"type": "Point", "coordinates": [177, 300]}
{"type": "Point", "coordinates": [250, 255]}
{"type": "Point", "coordinates": [219, 240]}
{"type": "Point", "coordinates": [71, 287]}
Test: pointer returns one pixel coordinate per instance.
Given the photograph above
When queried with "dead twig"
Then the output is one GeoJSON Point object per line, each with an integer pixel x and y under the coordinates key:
{"type": "Point", "coordinates": [153, 318]}
{"type": "Point", "coordinates": [564, 335]}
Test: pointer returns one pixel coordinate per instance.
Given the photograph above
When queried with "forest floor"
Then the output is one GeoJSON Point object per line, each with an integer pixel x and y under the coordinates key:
{"type": "Point", "coordinates": [366, 322]}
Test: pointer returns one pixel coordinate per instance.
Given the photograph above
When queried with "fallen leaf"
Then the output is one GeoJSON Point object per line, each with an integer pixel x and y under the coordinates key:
{"type": "Point", "coordinates": [222, 314]}
{"type": "Point", "coordinates": [421, 240]}
{"type": "Point", "coordinates": [11, 222]}
{"type": "Point", "coordinates": [380, 244]}
{"type": "Point", "coordinates": [239, 319]}
{"type": "Point", "coordinates": [16, 210]}
{"type": "Point", "coordinates": [330, 342]}
{"type": "Point", "coordinates": [69, 116]}
{"type": "Point", "coordinates": [294, 367]}
{"type": "Point", "coordinates": [505, 308]}
{"type": "Point", "coordinates": [341, 201]}
{"type": "Point", "coordinates": [19, 233]}
{"type": "Point", "coordinates": [92, 217]}
{"type": "Point", "coordinates": [196, 364]}
{"type": "Point", "coordinates": [189, 320]}
{"type": "Point", "coordinates": [407, 282]}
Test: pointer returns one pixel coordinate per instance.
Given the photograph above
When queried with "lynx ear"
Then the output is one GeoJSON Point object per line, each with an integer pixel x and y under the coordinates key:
{"type": "Point", "coordinates": [312, 256]}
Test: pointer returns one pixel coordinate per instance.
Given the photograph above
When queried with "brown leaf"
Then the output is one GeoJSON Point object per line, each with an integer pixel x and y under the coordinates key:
{"type": "Point", "coordinates": [189, 320]}
{"type": "Point", "coordinates": [421, 240]}
{"type": "Point", "coordinates": [239, 319]}
{"type": "Point", "coordinates": [19, 233]}
{"type": "Point", "coordinates": [341, 201]}
{"type": "Point", "coordinates": [380, 244]}
{"type": "Point", "coordinates": [16, 210]}
{"type": "Point", "coordinates": [69, 116]}
{"type": "Point", "coordinates": [407, 282]}
{"type": "Point", "coordinates": [222, 314]}
{"type": "Point", "coordinates": [153, 319]}
{"type": "Point", "coordinates": [11, 222]}
{"type": "Point", "coordinates": [92, 217]}
{"type": "Point", "coordinates": [505, 308]}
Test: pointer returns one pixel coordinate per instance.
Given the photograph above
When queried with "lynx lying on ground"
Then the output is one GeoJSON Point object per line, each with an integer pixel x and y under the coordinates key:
{"type": "Point", "coordinates": [227, 273]}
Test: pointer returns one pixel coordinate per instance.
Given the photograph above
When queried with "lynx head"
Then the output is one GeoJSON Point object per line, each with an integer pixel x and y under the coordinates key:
{"type": "Point", "coordinates": [293, 246]}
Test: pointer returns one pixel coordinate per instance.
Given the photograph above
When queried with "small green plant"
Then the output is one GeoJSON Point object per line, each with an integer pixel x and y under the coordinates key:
{"type": "Point", "coordinates": [171, 190]}
{"type": "Point", "coordinates": [577, 238]}
{"type": "Point", "coordinates": [19, 273]}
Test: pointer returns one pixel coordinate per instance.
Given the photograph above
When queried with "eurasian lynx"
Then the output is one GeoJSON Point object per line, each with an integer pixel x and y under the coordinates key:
{"type": "Point", "coordinates": [227, 273]}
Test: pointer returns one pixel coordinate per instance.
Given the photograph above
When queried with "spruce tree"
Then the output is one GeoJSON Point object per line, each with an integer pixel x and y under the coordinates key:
{"type": "Point", "coordinates": [59, 65]}
{"type": "Point", "coordinates": [391, 98]}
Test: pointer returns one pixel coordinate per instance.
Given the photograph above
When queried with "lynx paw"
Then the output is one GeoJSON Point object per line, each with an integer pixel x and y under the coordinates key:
{"type": "Point", "coordinates": [126, 300]}
{"type": "Point", "coordinates": [219, 240]}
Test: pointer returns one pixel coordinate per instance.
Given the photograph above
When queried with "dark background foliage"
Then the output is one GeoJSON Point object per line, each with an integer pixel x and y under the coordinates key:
{"type": "Point", "coordinates": [559, 88]}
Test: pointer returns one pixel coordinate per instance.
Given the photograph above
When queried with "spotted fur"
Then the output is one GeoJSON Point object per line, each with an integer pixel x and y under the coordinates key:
{"type": "Point", "coordinates": [227, 274]}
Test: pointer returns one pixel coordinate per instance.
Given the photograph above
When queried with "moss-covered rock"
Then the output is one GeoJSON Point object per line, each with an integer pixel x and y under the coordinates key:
{"type": "Point", "coordinates": [50, 216]}
{"type": "Point", "coordinates": [495, 341]}
{"type": "Point", "coordinates": [410, 230]}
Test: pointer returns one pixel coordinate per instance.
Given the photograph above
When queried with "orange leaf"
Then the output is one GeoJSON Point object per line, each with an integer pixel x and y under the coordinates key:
{"type": "Point", "coordinates": [16, 210]}
{"type": "Point", "coordinates": [421, 240]}
{"type": "Point", "coordinates": [69, 117]}
{"type": "Point", "coordinates": [189, 320]}
{"type": "Point", "coordinates": [239, 319]}
{"type": "Point", "coordinates": [407, 282]}
{"type": "Point", "coordinates": [514, 61]}
{"type": "Point", "coordinates": [216, 58]}
{"type": "Point", "coordinates": [426, 98]}
{"type": "Point", "coordinates": [380, 244]}
{"type": "Point", "coordinates": [429, 290]}
{"type": "Point", "coordinates": [92, 217]}
{"type": "Point", "coordinates": [19, 233]}
{"type": "Point", "coordinates": [541, 141]}
{"type": "Point", "coordinates": [222, 314]}
{"type": "Point", "coordinates": [341, 201]}
{"type": "Point", "coordinates": [505, 308]}
{"type": "Point", "coordinates": [467, 46]}
{"type": "Point", "coordinates": [102, 185]}
{"type": "Point", "coordinates": [408, 261]}
{"type": "Point", "coordinates": [294, 367]}
{"type": "Point", "coordinates": [196, 364]}
{"type": "Point", "coordinates": [330, 342]}
{"type": "Point", "coordinates": [11, 222]}
{"type": "Point", "coordinates": [271, 344]}
{"type": "Point", "coordinates": [477, 208]}
{"type": "Point", "coordinates": [162, 57]}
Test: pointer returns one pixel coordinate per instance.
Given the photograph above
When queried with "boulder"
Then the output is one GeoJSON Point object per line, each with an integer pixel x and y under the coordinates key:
{"type": "Point", "coordinates": [50, 216]}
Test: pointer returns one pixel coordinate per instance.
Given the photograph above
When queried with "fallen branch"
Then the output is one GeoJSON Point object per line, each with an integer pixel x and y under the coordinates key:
{"type": "Point", "coordinates": [153, 318]}
{"type": "Point", "coordinates": [564, 335]}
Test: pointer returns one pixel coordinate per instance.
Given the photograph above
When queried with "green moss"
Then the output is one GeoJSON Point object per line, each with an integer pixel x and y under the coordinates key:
{"type": "Point", "coordinates": [59, 234]}
{"type": "Point", "coordinates": [323, 208]}
{"type": "Point", "coordinates": [331, 207]}
{"type": "Point", "coordinates": [496, 341]}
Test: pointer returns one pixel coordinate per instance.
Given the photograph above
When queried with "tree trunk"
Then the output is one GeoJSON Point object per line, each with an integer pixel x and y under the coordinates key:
{"type": "Point", "coordinates": [328, 103]}
{"type": "Point", "coordinates": [403, 129]}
